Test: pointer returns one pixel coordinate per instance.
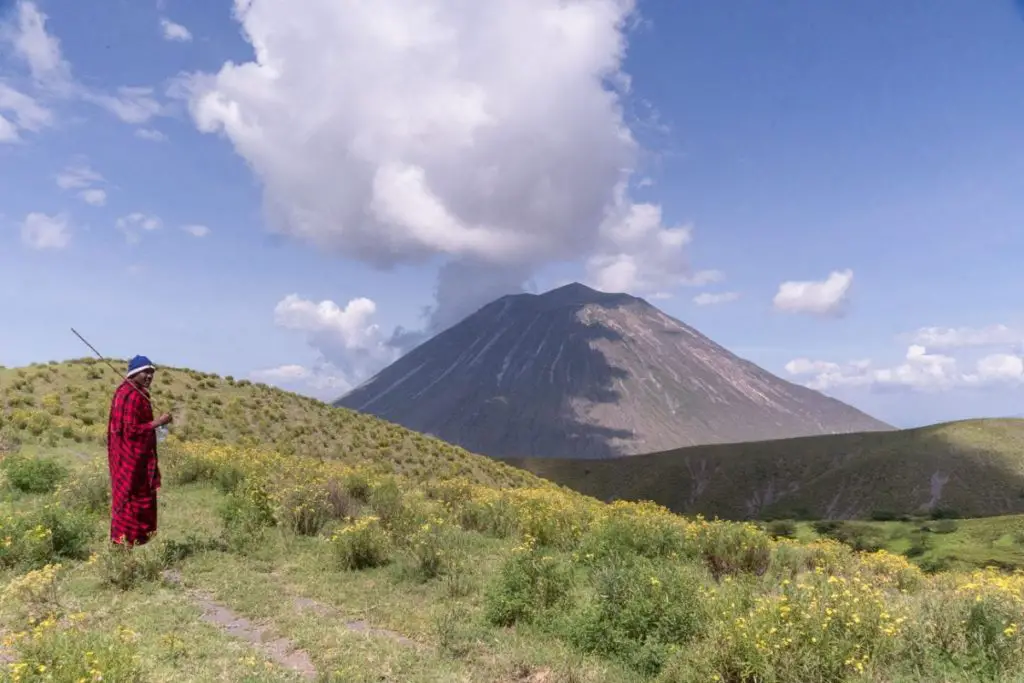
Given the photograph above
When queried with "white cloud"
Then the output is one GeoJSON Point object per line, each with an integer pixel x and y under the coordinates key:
{"type": "Point", "coordinates": [40, 231]}
{"type": "Point", "coordinates": [174, 32]}
{"type": "Point", "coordinates": [351, 344]}
{"type": "Point", "coordinates": [196, 230]}
{"type": "Point", "coordinates": [961, 337]}
{"type": "Point", "coordinates": [284, 373]}
{"type": "Point", "coordinates": [150, 134]}
{"type": "Point", "coordinates": [710, 299]}
{"type": "Point", "coordinates": [8, 131]}
{"type": "Point", "coordinates": [94, 197]}
{"type": "Point", "coordinates": [133, 222]}
{"type": "Point", "coordinates": [484, 133]}
{"type": "Point", "coordinates": [826, 297]}
{"type": "Point", "coordinates": [322, 381]}
{"type": "Point", "coordinates": [27, 113]}
{"type": "Point", "coordinates": [132, 105]}
{"type": "Point", "coordinates": [52, 77]}
{"type": "Point", "coordinates": [77, 176]}
{"type": "Point", "coordinates": [38, 49]}
{"type": "Point", "coordinates": [920, 370]}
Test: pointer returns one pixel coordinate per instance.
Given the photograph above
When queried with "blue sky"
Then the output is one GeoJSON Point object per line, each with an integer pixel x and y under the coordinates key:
{"type": "Point", "coordinates": [871, 150]}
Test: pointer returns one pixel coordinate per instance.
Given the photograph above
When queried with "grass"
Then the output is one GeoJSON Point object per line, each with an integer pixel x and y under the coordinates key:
{"type": "Point", "coordinates": [471, 582]}
{"type": "Point", "coordinates": [971, 468]}
{"type": "Point", "coordinates": [383, 555]}
{"type": "Point", "coordinates": [67, 404]}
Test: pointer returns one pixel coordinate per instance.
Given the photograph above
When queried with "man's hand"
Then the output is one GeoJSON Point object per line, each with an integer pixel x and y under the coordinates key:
{"type": "Point", "coordinates": [163, 420]}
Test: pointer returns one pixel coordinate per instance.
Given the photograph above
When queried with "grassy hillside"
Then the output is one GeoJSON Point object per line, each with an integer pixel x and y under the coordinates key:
{"type": "Point", "coordinates": [68, 403]}
{"type": "Point", "coordinates": [368, 558]}
{"type": "Point", "coordinates": [973, 468]}
{"type": "Point", "coordinates": [289, 568]}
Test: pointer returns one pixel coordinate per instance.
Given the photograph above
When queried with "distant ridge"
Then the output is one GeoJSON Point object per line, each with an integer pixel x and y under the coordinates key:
{"type": "Point", "coordinates": [579, 373]}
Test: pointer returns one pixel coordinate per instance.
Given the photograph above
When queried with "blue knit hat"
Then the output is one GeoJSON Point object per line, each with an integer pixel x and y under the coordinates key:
{"type": "Point", "coordinates": [139, 364]}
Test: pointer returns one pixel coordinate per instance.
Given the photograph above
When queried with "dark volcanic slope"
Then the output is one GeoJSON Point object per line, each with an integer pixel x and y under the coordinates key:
{"type": "Point", "coordinates": [583, 374]}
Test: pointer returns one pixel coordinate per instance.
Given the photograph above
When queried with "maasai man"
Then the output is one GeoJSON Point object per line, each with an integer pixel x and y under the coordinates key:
{"type": "Point", "coordinates": [131, 456]}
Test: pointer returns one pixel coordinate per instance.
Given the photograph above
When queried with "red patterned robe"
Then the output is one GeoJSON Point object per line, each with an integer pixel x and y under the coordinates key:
{"type": "Point", "coordinates": [134, 471]}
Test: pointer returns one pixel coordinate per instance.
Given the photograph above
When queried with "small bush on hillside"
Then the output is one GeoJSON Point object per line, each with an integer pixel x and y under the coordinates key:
{"type": "Point", "coordinates": [857, 535]}
{"type": "Point", "coordinates": [33, 474]}
{"type": "Point", "coordinates": [42, 536]}
{"type": "Point", "coordinates": [125, 568]}
{"type": "Point", "coordinates": [641, 612]}
{"type": "Point", "coordinates": [489, 512]}
{"type": "Point", "coordinates": [34, 595]}
{"type": "Point", "coordinates": [437, 548]}
{"type": "Point", "coordinates": [626, 529]}
{"type": "Point", "coordinates": [341, 503]}
{"type": "Point", "coordinates": [782, 528]}
{"type": "Point", "coordinates": [945, 526]}
{"type": "Point", "coordinates": [246, 514]}
{"type": "Point", "coordinates": [89, 489]}
{"type": "Point", "coordinates": [68, 651]}
{"type": "Point", "coordinates": [529, 583]}
{"type": "Point", "coordinates": [732, 548]}
{"type": "Point", "coordinates": [361, 545]}
{"type": "Point", "coordinates": [303, 508]}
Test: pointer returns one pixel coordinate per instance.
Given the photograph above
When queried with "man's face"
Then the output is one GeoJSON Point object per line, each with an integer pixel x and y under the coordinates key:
{"type": "Point", "coordinates": [145, 378]}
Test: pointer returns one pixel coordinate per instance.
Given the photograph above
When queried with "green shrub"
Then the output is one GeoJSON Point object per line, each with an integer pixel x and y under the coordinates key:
{"type": "Point", "coordinates": [529, 583]}
{"type": "Point", "coordinates": [67, 653]}
{"type": "Point", "coordinates": [641, 611]}
{"type": "Point", "coordinates": [124, 567]}
{"type": "Point", "coordinates": [857, 535]}
{"type": "Point", "coordinates": [33, 474]}
{"type": "Point", "coordinates": [361, 545]}
{"type": "Point", "coordinates": [945, 526]}
{"type": "Point", "coordinates": [89, 489]}
{"type": "Point", "coordinates": [43, 536]}
{"type": "Point", "coordinates": [437, 548]}
{"type": "Point", "coordinates": [629, 529]}
{"type": "Point", "coordinates": [782, 528]}
{"type": "Point", "coordinates": [303, 508]}
{"type": "Point", "coordinates": [733, 548]}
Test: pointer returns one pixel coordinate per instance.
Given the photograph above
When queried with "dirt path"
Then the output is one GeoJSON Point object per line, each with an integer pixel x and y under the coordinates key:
{"type": "Point", "coordinates": [280, 649]}
{"type": "Point", "coordinates": [357, 626]}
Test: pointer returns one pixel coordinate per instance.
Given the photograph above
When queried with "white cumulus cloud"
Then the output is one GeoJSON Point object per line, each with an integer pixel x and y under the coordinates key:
{"type": "Point", "coordinates": [346, 337]}
{"type": "Point", "coordinates": [712, 299]}
{"type": "Point", "coordinates": [174, 32]}
{"type": "Point", "coordinates": [489, 134]}
{"type": "Point", "coordinates": [41, 231]}
{"type": "Point", "coordinates": [824, 297]}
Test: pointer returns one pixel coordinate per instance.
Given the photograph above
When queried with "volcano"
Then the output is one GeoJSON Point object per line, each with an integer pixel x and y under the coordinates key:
{"type": "Point", "coordinates": [578, 373]}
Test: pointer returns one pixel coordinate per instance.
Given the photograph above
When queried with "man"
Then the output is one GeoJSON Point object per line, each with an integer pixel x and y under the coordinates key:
{"type": "Point", "coordinates": [131, 456]}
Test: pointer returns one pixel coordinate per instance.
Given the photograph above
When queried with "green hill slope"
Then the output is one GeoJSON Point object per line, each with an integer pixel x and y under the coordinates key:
{"type": "Point", "coordinates": [65, 402]}
{"type": "Point", "coordinates": [372, 561]}
{"type": "Point", "coordinates": [973, 468]}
